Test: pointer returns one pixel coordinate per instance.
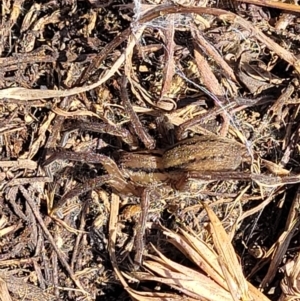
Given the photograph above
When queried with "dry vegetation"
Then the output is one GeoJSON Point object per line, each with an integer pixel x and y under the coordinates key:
{"type": "Point", "coordinates": [86, 84]}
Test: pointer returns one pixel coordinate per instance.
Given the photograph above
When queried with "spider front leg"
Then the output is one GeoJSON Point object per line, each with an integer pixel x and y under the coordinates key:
{"type": "Point", "coordinates": [114, 177]}
{"type": "Point", "coordinates": [139, 215]}
{"type": "Point", "coordinates": [103, 128]}
{"type": "Point", "coordinates": [140, 230]}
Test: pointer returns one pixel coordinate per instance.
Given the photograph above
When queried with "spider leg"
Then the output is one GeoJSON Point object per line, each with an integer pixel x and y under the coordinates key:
{"type": "Point", "coordinates": [117, 183]}
{"type": "Point", "coordinates": [141, 227]}
{"type": "Point", "coordinates": [108, 164]}
{"type": "Point", "coordinates": [114, 177]}
{"type": "Point", "coordinates": [104, 128]}
{"type": "Point", "coordinates": [138, 127]}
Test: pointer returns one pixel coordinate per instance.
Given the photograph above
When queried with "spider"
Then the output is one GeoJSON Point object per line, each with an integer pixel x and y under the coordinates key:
{"type": "Point", "coordinates": [204, 157]}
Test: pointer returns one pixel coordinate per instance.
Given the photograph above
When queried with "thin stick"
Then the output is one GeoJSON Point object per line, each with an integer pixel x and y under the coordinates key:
{"type": "Point", "coordinates": [48, 235]}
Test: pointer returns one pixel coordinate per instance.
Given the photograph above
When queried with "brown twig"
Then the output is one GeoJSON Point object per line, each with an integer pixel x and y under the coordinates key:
{"type": "Point", "coordinates": [50, 238]}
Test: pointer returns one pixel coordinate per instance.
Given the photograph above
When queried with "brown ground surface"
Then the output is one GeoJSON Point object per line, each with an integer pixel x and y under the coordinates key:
{"type": "Point", "coordinates": [101, 80]}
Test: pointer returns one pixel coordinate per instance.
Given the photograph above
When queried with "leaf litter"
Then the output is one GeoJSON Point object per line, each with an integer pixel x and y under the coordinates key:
{"type": "Point", "coordinates": [191, 68]}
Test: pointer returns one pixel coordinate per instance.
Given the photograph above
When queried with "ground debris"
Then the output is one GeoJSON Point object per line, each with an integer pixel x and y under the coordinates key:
{"type": "Point", "coordinates": [134, 133]}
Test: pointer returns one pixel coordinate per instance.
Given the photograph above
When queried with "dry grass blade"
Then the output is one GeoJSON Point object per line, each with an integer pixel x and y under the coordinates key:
{"type": "Point", "coordinates": [198, 252]}
{"type": "Point", "coordinates": [240, 288]}
{"type": "Point", "coordinates": [7, 230]}
{"type": "Point", "coordinates": [281, 246]}
{"type": "Point", "coordinates": [228, 259]}
{"type": "Point", "coordinates": [207, 76]}
{"type": "Point", "coordinates": [169, 68]}
{"type": "Point", "coordinates": [20, 163]}
{"type": "Point", "coordinates": [214, 54]}
{"type": "Point", "coordinates": [210, 81]}
{"type": "Point", "coordinates": [4, 293]}
{"type": "Point", "coordinates": [290, 284]}
{"type": "Point", "coordinates": [154, 296]}
{"type": "Point", "coordinates": [189, 281]}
